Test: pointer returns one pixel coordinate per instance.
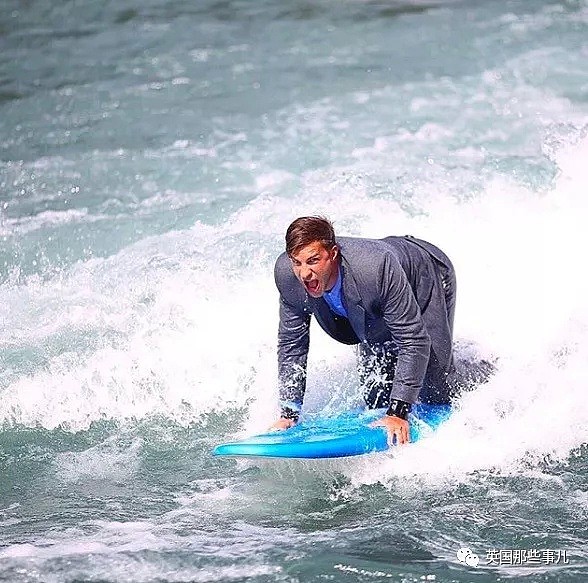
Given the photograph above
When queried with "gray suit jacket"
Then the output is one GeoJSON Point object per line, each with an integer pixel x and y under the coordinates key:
{"type": "Point", "coordinates": [392, 290]}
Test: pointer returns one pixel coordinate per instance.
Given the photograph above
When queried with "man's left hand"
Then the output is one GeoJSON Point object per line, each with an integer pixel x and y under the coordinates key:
{"type": "Point", "coordinates": [396, 427]}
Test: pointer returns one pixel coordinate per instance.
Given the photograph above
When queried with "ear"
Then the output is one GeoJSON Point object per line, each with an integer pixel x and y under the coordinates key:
{"type": "Point", "coordinates": [334, 252]}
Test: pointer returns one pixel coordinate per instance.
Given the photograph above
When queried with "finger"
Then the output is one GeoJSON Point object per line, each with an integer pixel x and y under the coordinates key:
{"type": "Point", "coordinates": [407, 434]}
{"type": "Point", "coordinates": [396, 436]}
{"type": "Point", "coordinates": [391, 435]}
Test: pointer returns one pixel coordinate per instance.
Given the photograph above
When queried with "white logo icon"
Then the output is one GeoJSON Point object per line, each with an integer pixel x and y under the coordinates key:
{"type": "Point", "coordinates": [466, 557]}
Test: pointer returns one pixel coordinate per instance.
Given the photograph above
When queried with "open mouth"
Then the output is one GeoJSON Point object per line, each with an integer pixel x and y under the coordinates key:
{"type": "Point", "coordinates": [312, 285]}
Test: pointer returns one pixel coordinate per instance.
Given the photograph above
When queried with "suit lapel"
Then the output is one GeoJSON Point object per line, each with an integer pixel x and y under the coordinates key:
{"type": "Point", "coordinates": [352, 301]}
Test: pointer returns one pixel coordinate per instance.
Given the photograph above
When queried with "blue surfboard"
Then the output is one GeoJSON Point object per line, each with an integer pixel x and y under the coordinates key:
{"type": "Point", "coordinates": [329, 437]}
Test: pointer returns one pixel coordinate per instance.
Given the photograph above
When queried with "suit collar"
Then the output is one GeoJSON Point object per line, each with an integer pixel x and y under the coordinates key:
{"type": "Point", "coordinates": [352, 300]}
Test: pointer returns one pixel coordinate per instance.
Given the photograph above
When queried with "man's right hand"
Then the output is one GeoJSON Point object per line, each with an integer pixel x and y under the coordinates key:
{"type": "Point", "coordinates": [283, 423]}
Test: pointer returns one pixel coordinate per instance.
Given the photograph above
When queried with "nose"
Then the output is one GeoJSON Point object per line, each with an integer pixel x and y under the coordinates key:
{"type": "Point", "coordinates": [305, 273]}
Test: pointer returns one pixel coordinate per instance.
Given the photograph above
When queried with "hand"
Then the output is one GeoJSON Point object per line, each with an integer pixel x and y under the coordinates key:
{"type": "Point", "coordinates": [396, 427]}
{"type": "Point", "coordinates": [282, 423]}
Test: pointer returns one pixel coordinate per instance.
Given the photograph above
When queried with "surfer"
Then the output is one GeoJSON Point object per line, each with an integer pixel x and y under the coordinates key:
{"type": "Point", "coordinates": [394, 298]}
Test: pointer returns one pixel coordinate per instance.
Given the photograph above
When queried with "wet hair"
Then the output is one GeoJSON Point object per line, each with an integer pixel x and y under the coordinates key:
{"type": "Point", "coordinates": [306, 230]}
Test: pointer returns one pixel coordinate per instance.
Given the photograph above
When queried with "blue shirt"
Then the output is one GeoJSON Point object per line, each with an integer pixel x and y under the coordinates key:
{"type": "Point", "coordinates": [334, 299]}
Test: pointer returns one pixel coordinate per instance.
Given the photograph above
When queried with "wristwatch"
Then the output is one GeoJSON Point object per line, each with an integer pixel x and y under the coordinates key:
{"type": "Point", "coordinates": [399, 408]}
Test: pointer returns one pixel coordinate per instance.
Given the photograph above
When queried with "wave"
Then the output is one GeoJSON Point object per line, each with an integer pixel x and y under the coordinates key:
{"type": "Point", "coordinates": [187, 320]}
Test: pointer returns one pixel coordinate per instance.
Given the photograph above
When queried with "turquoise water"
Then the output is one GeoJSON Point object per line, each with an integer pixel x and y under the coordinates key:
{"type": "Point", "coordinates": [152, 155]}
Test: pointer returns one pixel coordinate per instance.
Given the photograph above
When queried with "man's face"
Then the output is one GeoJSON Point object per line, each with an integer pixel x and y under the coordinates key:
{"type": "Point", "coordinates": [317, 268]}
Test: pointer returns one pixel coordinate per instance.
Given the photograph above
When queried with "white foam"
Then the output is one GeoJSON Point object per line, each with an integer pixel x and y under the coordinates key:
{"type": "Point", "coordinates": [175, 328]}
{"type": "Point", "coordinates": [112, 459]}
{"type": "Point", "coordinates": [522, 295]}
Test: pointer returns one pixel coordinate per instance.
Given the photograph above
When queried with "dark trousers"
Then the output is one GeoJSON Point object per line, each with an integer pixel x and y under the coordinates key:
{"type": "Point", "coordinates": [377, 362]}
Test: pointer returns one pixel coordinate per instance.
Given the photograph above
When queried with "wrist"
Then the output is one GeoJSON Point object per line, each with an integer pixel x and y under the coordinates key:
{"type": "Point", "coordinates": [399, 409]}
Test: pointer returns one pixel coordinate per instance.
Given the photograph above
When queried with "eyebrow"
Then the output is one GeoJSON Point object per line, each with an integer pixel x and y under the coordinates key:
{"type": "Point", "coordinates": [307, 259]}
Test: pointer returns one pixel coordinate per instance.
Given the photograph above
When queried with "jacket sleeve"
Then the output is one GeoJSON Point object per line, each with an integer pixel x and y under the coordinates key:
{"type": "Point", "coordinates": [403, 319]}
{"type": "Point", "coordinates": [293, 339]}
{"type": "Point", "coordinates": [293, 343]}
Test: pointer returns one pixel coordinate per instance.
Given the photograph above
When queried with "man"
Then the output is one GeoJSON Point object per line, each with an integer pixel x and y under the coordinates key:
{"type": "Point", "coordinates": [394, 297]}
